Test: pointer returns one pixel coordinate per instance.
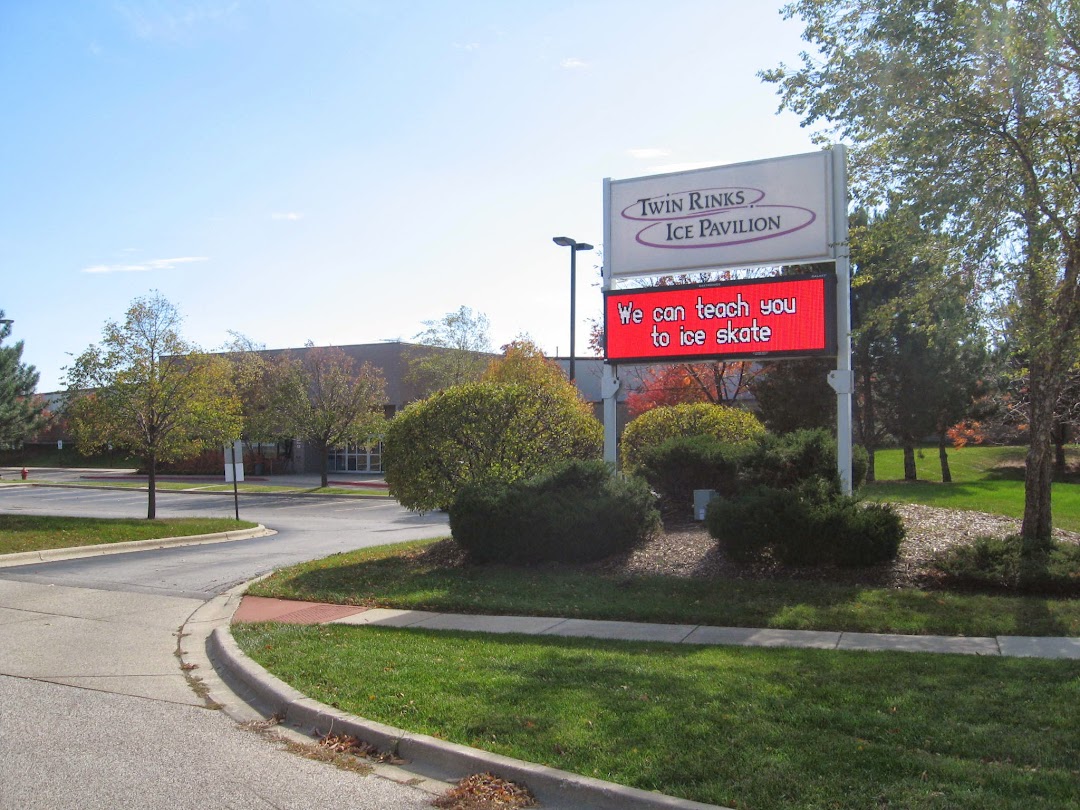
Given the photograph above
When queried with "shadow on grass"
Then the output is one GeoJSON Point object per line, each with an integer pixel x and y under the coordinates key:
{"type": "Point", "coordinates": [413, 581]}
{"type": "Point", "coordinates": [760, 728]}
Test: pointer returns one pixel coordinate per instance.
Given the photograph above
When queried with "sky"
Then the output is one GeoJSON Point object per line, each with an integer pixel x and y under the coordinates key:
{"type": "Point", "coordinates": [341, 171]}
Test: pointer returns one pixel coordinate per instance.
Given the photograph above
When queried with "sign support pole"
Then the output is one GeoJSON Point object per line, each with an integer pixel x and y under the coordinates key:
{"type": "Point", "coordinates": [609, 387]}
{"type": "Point", "coordinates": [842, 380]}
{"type": "Point", "coordinates": [609, 384]}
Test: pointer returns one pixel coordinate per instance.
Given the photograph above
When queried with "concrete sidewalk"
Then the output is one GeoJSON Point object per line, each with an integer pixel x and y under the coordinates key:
{"type": "Point", "coordinates": [258, 609]}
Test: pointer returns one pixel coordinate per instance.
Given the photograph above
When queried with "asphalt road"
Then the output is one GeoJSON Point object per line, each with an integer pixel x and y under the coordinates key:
{"type": "Point", "coordinates": [308, 527]}
{"type": "Point", "coordinates": [95, 711]}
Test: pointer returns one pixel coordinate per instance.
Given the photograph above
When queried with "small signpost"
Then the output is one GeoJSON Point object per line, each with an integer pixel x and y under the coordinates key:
{"type": "Point", "coordinates": [787, 210]}
{"type": "Point", "coordinates": [234, 470]}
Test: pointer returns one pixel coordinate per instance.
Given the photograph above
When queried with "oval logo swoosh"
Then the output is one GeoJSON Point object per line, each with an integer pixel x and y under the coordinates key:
{"type": "Point", "coordinates": [729, 227]}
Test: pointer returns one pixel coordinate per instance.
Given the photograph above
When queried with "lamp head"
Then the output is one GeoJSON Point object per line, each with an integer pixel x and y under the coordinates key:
{"type": "Point", "coordinates": [566, 241]}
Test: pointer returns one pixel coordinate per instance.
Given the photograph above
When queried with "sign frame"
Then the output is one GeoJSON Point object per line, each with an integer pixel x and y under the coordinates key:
{"type": "Point", "coordinates": [763, 212]}
{"type": "Point", "coordinates": [829, 343]}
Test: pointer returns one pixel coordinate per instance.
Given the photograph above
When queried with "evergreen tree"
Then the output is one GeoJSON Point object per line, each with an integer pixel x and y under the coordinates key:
{"type": "Point", "coordinates": [20, 414]}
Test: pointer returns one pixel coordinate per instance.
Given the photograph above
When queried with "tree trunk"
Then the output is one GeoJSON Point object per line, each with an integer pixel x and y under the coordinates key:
{"type": "Point", "coordinates": [151, 487]}
{"type": "Point", "coordinates": [869, 422]}
{"type": "Point", "coordinates": [1039, 473]}
{"type": "Point", "coordinates": [1061, 438]}
{"type": "Point", "coordinates": [909, 461]}
{"type": "Point", "coordinates": [943, 455]}
{"type": "Point", "coordinates": [324, 466]}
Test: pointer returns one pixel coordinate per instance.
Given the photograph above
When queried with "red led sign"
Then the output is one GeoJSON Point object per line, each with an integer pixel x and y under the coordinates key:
{"type": "Point", "coordinates": [776, 317]}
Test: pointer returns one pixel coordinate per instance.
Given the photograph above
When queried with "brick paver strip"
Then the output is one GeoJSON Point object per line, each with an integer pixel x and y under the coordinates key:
{"type": "Point", "coordinates": [262, 609]}
{"type": "Point", "coordinates": [317, 614]}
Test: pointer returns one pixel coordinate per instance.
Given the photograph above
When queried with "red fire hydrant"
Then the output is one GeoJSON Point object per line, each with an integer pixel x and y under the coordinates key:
{"type": "Point", "coordinates": [25, 473]}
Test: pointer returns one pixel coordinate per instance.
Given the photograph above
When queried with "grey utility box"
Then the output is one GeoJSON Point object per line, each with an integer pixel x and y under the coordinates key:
{"type": "Point", "coordinates": [701, 500]}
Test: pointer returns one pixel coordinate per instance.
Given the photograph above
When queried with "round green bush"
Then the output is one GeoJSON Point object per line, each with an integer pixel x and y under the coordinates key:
{"type": "Point", "coordinates": [481, 432]}
{"type": "Point", "coordinates": [863, 534]}
{"type": "Point", "coordinates": [808, 525]}
{"type": "Point", "coordinates": [654, 427]}
{"type": "Point", "coordinates": [575, 512]}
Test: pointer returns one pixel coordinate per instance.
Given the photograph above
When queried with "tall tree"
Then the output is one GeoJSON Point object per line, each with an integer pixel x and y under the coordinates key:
{"type": "Point", "coordinates": [258, 377]}
{"type": "Point", "coordinates": [330, 400]}
{"type": "Point", "coordinates": [969, 109]}
{"type": "Point", "coordinates": [453, 350]}
{"type": "Point", "coordinates": [20, 413]}
{"type": "Point", "coordinates": [918, 341]}
{"type": "Point", "coordinates": [523, 362]}
{"type": "Point", "coordinates": [795, 394]}
{"type": "Point", "coordinates": [149, 391]}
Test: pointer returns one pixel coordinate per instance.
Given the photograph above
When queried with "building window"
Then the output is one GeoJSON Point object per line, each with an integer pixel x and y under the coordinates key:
{"type": "Point", "coordinates": [354, 458]}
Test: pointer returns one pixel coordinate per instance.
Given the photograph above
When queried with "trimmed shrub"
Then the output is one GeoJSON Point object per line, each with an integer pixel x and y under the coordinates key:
{"type": "Point", "coordinates": [807, 525]}
{"type": "Point", "coordinates": [749, 525]}
{"type": "Point", "coordinates": [1011, 564]}
{"type": "Point", "coordinates": [680, 465]}
{"type": "Point", "coordinates": [785, 460]}
{"type": "Point", "coordinates": [862, 534]}
{"type": "Point", "coordinates": [575, 512]}
{"type": "Point", "coordinates": [481, 432]}
{"type": "Point", "coordinates": [654, 427]}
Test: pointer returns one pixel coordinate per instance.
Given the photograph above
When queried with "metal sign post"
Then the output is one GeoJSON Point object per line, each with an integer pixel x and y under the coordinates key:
{"type": "Point", "coordinates": [842, 379]}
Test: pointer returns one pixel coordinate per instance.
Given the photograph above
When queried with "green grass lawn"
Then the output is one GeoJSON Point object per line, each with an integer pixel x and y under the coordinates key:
{"type": "Point", "coordinates": [36, 533]}
{"type": "Point", "coordinates": [971, 463]}
{"type": "Point", "coordinates": [985, 479]}
{"type": "Point", "coordinates": [745, 728]}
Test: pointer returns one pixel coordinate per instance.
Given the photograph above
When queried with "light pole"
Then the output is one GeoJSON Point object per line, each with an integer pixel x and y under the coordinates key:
{"type": "Point", "coordinates": [566, 241]}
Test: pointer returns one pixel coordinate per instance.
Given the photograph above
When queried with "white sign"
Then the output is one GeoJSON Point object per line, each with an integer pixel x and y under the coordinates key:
{"type": "Point", "coordinates": [234, 460]}
{"type": "Point", "coordinates": [766, 212]}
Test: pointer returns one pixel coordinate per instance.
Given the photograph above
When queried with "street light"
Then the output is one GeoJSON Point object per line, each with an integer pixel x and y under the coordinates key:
{"type": "Point", "coordinates": [566, 241]}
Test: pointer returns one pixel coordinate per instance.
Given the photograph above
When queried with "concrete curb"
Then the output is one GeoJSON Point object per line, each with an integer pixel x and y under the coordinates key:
{"type": "Point", "coordinates": [79, 552]}
{"type": "Point", "coordinates": [429, 756]}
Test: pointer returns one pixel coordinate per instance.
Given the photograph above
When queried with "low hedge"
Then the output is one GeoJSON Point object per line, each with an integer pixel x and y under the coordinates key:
{"type": "Point", "coordinates": [678, 466]}
{"type": "Point", "coordinates": [810, 524]}
{"type": "Point", "coordinates": [785, 460]}
{"type": "Point", "coordinates": [1012, 565]}
{"type": "Point", "coordinates": [575, 512]}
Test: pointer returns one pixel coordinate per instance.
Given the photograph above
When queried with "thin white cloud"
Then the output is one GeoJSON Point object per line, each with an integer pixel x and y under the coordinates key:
{"type": "Point", "coordinates": [573, 63]}
{"type": "Point", "coordinates": [289, 216]}
{"type": "Point", "coordinates": [144, 267]}
{"type": "Point", "coordinates": [648, 154]}
{"type": "Point", "coordinates": [174, 22]}
{"type": "Point", "coordinates": [467, 46]}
